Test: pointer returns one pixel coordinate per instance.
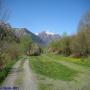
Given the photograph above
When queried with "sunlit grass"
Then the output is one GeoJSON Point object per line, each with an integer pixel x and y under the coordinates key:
{"type": "Point", "coordinates": [51, 69]}
{"type": "Point", "coordinates": [79, 61]}
{"type": "Point", "coordinates": [45, 87]}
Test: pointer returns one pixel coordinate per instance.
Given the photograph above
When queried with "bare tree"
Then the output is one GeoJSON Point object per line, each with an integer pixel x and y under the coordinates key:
{"type": "Point", "coordinates": [81, 42]}
{"type": "Point", "coordinates": [4, 13]}
{"type": "Point", "coordinates": [3, 19]}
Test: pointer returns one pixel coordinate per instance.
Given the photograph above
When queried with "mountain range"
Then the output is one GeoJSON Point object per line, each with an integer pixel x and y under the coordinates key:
{"type": "Point", "coordinates": [21, 32]}
{"type": "Point", "coordinates": [48, 37]}
{"type": "Point", "coordinates": [42, 38]}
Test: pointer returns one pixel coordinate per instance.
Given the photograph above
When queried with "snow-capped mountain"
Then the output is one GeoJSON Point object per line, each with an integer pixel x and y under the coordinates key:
{"type": "Point", "coordinates": [46, 32]}
{"type": "Point", "coordinates": [42, 38]}
{"type": "Point", "coordinates": [47, 37]}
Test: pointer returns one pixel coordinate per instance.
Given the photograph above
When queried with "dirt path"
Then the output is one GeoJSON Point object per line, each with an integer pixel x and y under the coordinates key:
{"type": "Point", "coordinates": [20, 77]}
{"type": "Point", "coordinates": [29, 79]}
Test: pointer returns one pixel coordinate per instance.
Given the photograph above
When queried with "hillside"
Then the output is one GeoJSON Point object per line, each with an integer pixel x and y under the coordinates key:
{"type": "Point", "coordinates": [21, 32]}
{"type": "Point", "coordinates": [43, 38]}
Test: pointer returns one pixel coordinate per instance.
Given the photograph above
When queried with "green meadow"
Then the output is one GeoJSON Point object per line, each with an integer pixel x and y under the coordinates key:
{"type": "Point", "coordinates": [55, 72]}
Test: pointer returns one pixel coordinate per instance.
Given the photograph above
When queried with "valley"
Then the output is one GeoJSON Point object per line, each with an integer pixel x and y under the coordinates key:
{"type": "Point", "coordinates": [44, 45]}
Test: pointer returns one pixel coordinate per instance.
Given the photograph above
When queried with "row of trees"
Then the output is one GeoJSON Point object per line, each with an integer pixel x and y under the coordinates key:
{"type": "Point", "coordinates": [76, 45]}
{"type": "Point", "coordinates": [10, 45]}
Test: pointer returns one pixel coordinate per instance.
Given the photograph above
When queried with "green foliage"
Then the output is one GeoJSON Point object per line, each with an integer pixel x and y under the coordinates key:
{"type": "Point", "coordinates": [34, 50]}
{"type": "Point", "coordinates": [62, 45]}
{"type": "Point", "coordinates": [81, 41]}
{"type": "Point", "coordinates": [45, 87]}
{"type": "Point", "coordinates": [55, 45]}
{"type": "Point", "coordinates": [4, 71]}
{"type": "Point", "coordinates": [25, 43]}
{"type": "Point", "coordinates": [51, 68]}
{"type": "Point", "coordinates": [9, 50]}
{"type": "Point", "coordinates": [77, 45]}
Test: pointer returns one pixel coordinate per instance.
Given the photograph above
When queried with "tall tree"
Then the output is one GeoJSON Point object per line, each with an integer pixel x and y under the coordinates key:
{"type": "Point", "coordinates": [81, 42]}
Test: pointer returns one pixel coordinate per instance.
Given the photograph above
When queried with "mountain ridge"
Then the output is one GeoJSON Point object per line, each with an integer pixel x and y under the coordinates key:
{"type": "Point", "coordinates": [21, 32]}
{"type": "Point", "coordinates": [43, 38]}
{"type": "Point", "coordinates": [48, 37]}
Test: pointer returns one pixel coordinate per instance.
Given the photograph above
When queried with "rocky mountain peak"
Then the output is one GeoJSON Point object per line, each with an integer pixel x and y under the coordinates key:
{"type": "Point", "coordinates": [47, 36]}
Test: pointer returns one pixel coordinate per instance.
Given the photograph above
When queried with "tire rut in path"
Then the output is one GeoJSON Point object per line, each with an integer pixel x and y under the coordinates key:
{"type": "Point", "coordinates": [29, 80]}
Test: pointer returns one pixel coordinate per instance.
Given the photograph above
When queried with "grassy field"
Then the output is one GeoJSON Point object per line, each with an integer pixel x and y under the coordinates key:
{"type": "Point", "coordinates": [51, 69]}
{"type": "Point", "coordinates": [79, 61]}
{"type": "Point", "coordinates": [56, 72]}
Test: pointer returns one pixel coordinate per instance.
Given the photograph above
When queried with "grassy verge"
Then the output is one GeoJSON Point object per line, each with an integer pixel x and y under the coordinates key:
{"type": "Point", "coordinates": [4, 72]}
{"type": "Point", "coordinates": [19, 79]}
{"type": "Point", "coordinates": [82, 61]}
{"type": "Point", "coordinates": [51, 69]}
{"type": "Point", "coordinates": [45, 87]}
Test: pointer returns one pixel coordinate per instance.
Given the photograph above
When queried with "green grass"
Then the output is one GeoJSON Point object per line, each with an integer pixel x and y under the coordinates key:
{"type": "Point", "coordinates": [19, 79]}
{"type": "Point", "coordinates": [51, 69]}
{"type": "Point", "coordinates": [52, 73]}
{"type": "Point", "coordinates": [4, 72]}
{"type": "Point", "coordinates": [45, 87]}
{"type": "Point", "coordinates": [81, 61]}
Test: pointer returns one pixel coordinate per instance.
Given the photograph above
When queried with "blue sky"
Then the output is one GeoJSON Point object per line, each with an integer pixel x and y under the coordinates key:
{"type": "Point", "coordinates": [56, 16]}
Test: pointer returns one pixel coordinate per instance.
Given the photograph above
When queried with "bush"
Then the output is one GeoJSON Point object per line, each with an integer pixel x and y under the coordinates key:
{"type": "Point", "coordinates": [4, 71]}
{"type": "Point", "coordinates": [34, 50]}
